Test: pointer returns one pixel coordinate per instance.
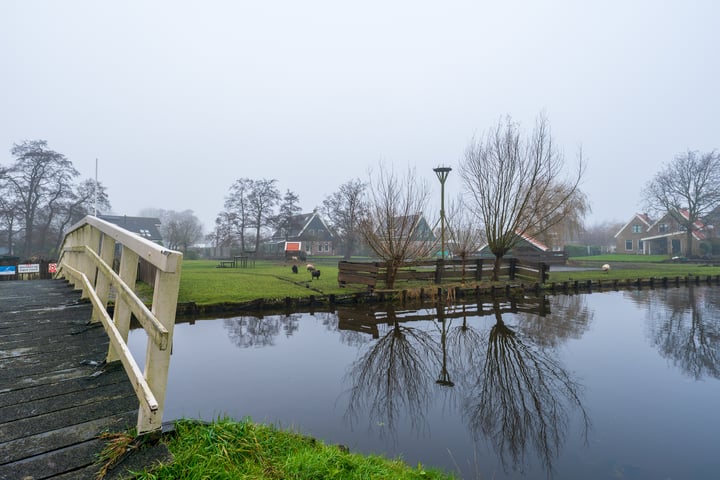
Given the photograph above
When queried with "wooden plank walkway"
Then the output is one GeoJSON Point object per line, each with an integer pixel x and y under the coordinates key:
{"type": "Point", "coordinates": [56, 397]}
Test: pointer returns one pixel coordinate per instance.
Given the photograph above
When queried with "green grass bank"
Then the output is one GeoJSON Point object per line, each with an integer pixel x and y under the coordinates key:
{"type": "Point", "coordinates": [228, 449]}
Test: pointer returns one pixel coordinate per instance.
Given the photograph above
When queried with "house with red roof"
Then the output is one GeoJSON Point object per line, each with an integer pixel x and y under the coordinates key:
{"type": "Point", "coordinates": [665, 236]}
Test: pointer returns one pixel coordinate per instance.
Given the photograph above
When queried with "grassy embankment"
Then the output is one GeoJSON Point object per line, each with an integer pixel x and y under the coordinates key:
{"type": "Point", "coordinates": [228, 449]}
{"type": "Point", "coordinates": [631, 267]}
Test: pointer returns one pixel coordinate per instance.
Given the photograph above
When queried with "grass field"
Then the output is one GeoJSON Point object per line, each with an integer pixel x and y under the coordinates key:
{"type": "Point", "coordinates": [204, 284]}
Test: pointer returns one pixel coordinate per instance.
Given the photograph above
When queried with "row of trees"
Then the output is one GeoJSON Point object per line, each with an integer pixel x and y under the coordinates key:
{"type": "Point", "coordinates": [41, 194]}
{"type": "Point", "coordinates": [514, 187]}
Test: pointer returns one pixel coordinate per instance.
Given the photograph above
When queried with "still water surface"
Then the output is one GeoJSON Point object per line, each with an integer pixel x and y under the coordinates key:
{"type": "Point", "coordinates": [602, 386]}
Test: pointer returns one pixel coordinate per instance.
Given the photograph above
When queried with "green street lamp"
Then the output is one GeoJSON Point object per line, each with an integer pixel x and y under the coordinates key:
{"type": "Point", "coordinates": [442, 174]}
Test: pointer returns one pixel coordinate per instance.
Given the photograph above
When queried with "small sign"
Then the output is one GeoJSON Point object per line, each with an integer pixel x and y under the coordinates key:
{"type": "Point", "coordinates": [7, 270]}
{"type": "Point", "coordinates": [52, 267]}
{"type": "Point", "coordinates": [29, 268]}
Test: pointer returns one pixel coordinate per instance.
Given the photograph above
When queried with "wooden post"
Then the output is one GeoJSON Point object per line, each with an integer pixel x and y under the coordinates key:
{"type": "Point", "coordinates": [121, 316]}
{"type": "Point", "coordinates": [157, 361]}
{"type": "Point", "coordinates": [439, 267]}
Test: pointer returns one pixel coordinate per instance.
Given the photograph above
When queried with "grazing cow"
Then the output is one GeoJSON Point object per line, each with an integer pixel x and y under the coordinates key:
{"type": "Point", "coordinates": [315, 274]}
{"type": "Point", "coordinates": [606, 268]}
{"type": "Point", "coordinates": [294, 269]}
{"type": "Point", "coordinates": [310, 267]}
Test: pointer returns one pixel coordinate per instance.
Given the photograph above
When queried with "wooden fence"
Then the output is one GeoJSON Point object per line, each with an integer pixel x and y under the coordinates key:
{"type": "Point", "coordinates": [439, 271]}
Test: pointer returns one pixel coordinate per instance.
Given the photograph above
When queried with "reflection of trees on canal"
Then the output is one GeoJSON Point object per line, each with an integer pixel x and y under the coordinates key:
{"type": "Point", "coordinates": [510, 387]}
{"type": "Point", "coordinates": [393, 377]}
{"type": "Point", "coordinates": [570, 319]}
{"type": "Point", "coordinates": [521, 399]}
{"type": "Point", "coordinates": [260, 331]}
{"type": "Point", "coordinates": [685, 327]}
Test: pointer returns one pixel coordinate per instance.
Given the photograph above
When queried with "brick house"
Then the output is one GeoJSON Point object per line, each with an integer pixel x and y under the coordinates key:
{"type": "Point", "coordinates": [665, 236]}
{"type": "Point", "coordinates": [629, 239]}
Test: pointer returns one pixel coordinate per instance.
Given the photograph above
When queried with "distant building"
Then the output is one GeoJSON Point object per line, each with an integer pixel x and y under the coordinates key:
{"type": "Point", "coordinates": [146, 227]}
{"type": "Point", "coordinates": [306, 235]}
{"type": "Point", "coordinates": [665, 236]}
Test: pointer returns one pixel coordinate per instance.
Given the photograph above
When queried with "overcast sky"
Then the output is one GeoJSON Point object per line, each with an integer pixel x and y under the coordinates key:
{"type": "Point", "coordinates": [178, 99]}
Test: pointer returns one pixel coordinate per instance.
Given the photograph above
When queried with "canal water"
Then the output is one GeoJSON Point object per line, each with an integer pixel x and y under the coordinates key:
{"type": "Point", "coordinates": [606, 385]}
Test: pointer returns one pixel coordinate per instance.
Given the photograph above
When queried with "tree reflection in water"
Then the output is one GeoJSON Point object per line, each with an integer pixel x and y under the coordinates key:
{"type": "Point", "coordinates": [510, 388]}
{"type": "Point", "coordinates": [522, 398]}
{"type": "Point", "coordinates": [685, 329]}
{"type": "Point", "coordinates": [249, 331]}
{"type": "Point", "coordinates": [393, 378]}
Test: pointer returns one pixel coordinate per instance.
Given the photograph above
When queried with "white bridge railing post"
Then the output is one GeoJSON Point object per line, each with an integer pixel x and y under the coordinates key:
{"type": "Point", "coordinates": [86, 260]}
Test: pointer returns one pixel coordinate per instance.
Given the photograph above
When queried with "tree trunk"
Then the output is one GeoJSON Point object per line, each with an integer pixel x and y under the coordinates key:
{"type": "Point", "coordinates": [392, 269]}
{"type": "Point", "coordinates": [496, 268]}
{"type": "Point", "coordinates": [688, 249]}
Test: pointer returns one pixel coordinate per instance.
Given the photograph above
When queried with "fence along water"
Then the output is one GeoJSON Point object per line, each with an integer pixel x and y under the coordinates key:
{"type": "Point", "coordinates": [87, 255]}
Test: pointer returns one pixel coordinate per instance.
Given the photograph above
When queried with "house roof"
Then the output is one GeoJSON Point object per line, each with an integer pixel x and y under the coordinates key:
{"type": "Point", "coordinates": [698, 225]}
{"type": "Point", "coordinates": [532, 241]}
{"type": "Point", "coordinates": [146, 227]}
{"type": "Point", "coordinates": [299, 224]}
{"type": "Point", "coordinates": [643, 217]}
{"type": "Point", "coordinates": [535, 242]}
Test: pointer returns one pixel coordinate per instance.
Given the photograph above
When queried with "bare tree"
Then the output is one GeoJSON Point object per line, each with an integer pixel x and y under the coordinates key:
{"type": "Point", "coordinates": [393, 224]}
{"type": "Point", "coordinates": [601, 234]}
{"type": "Point", "coordinates": [262, 199]}
{"type": "Point", "coordinates": [40, 196]}
{"type": "Point", "coordinates": [564, 223]}
{"type": "Point", "coordinates": [466, 236]}
{"type": "Point", "coordinates": [690, 183]}
{"type": "Point", "coordinates": [345, 208]}
{"type": "Point", "coordinates": [515, 184]}
{"type": "Point", "coordinates": [181, 229]}
{"type": "Point", "coordinates": [236, 217]}
{"type": "Point", "coordinates": [9, 214]}
{"type": "Point", "coordinates": [289, 208]}
{"type": "Point", "coordinates": [86, 198]}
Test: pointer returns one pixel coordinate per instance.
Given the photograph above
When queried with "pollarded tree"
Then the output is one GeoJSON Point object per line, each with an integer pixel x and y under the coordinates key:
{"type": "Point", "coordinates": [393, 226]}
{"type": "Point", "coordinates": [345, 208]}
{"type": "Point", "coordinates": [466, 235]}
{"type": "Point", "coordinates": [513, 182]}
{"type": "Point", "coordinates": [690, 184]}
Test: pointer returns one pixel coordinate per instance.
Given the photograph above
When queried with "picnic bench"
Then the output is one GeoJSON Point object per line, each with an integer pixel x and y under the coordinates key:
{"type": "Point", "coordinates": [237, 261]}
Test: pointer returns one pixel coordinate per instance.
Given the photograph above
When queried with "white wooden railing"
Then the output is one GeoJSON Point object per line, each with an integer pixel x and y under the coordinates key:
{"type": "Point", "coordinates": [86, 260]}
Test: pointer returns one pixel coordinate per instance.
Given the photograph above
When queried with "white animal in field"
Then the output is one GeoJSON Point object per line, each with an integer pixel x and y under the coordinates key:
{"type": "Point", "coordinates": [310, 267]}
{"type": "Point", "coordinates": [606, 268]}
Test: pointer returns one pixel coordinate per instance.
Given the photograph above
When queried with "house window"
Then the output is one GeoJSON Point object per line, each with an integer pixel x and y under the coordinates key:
{"type": "Point", "coordinates": [637, 228]}
{"type": "Point", "coordinates": [663, 228]}
{"type": "Point", "coordinates": [628, 245]}
{"type": "Point", "coordinates": [640, 246]}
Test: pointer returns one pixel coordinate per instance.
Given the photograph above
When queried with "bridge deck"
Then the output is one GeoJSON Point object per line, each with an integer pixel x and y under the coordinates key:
{"type": "Point", "coordinates": [54, 397]}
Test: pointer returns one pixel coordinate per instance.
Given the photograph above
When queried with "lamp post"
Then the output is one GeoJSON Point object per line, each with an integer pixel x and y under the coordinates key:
{"type": "Point", "coordinates": [442, 174]}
